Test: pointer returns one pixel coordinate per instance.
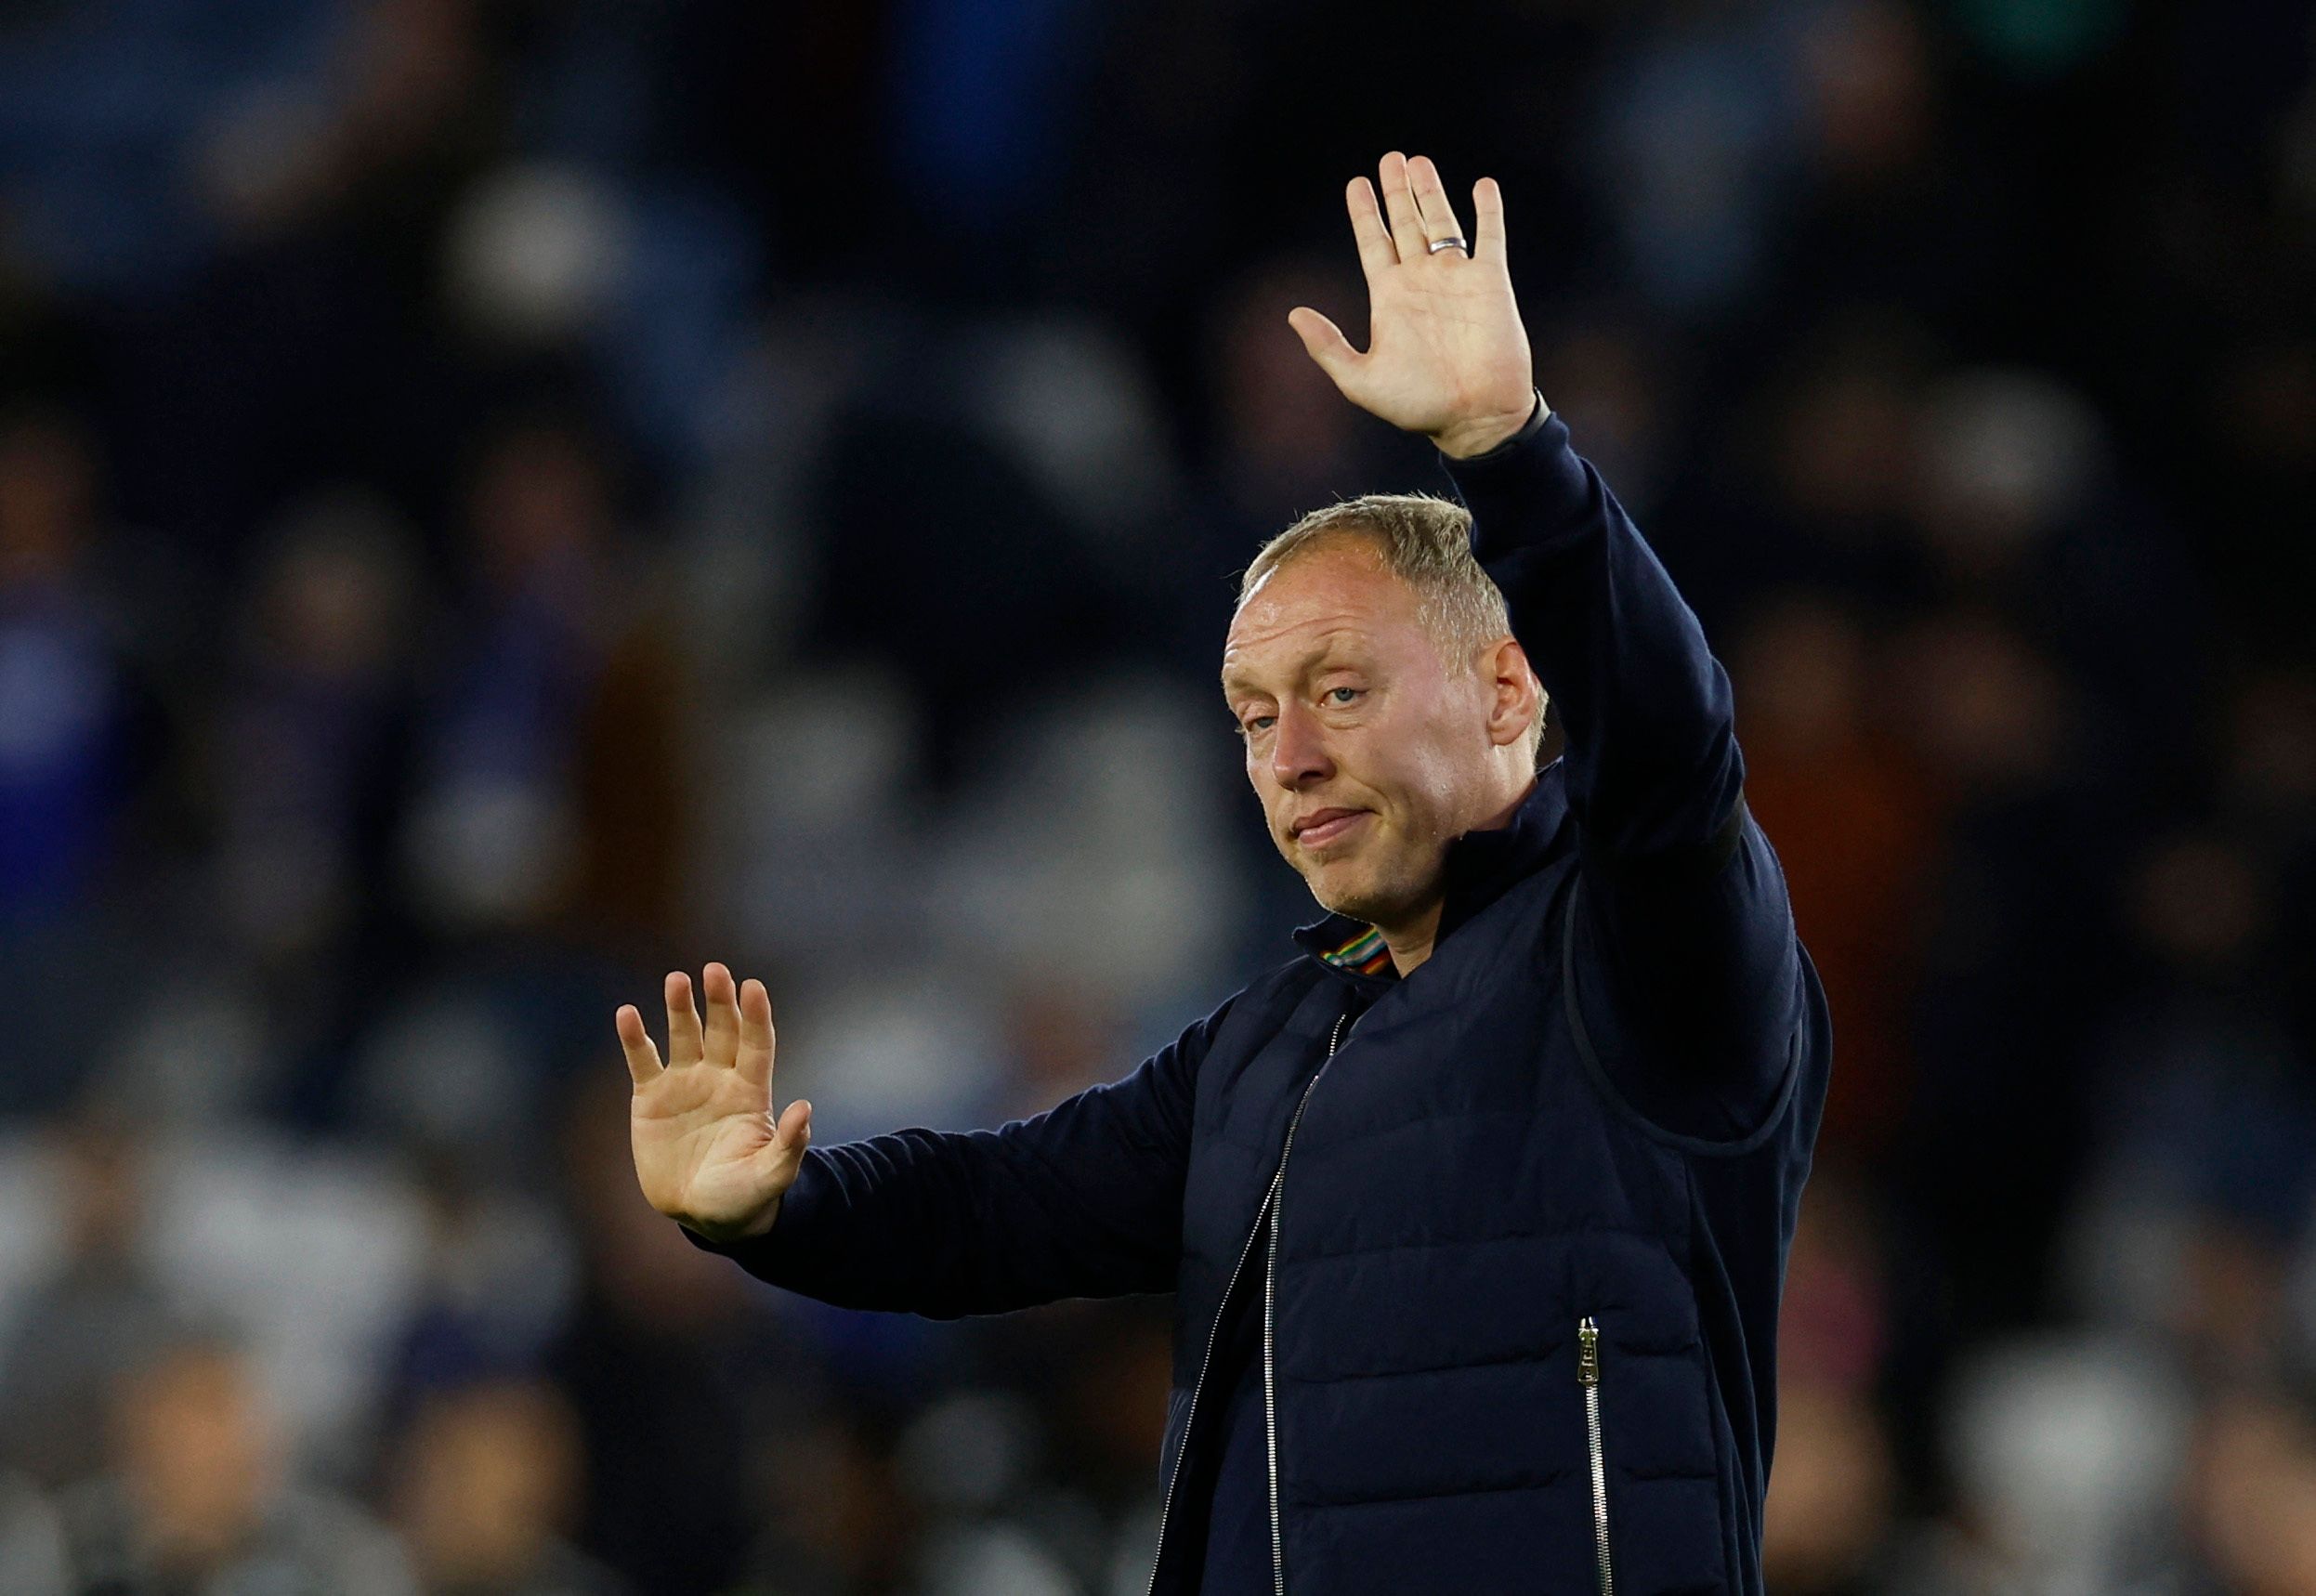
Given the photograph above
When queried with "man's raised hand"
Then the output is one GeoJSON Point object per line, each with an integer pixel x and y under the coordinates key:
{"type": "Point", "coordinates": [1447, 354]}
{"type": "Point", "coordinates": [709, 1150]}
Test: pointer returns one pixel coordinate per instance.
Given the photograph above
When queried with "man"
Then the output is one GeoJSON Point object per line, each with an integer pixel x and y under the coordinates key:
{"type": "Point", "coordinates": [1477, 1211]}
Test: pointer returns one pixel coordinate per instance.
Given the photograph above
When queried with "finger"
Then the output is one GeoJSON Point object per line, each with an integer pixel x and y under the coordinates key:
{"type": "Point", "coordinates": [1375, 252]}
{"type": "Point", "coordinates": [1488, 208]}
{"type": "Point", "coordinates": [1431, 194]}
{"type": "Point", "coordinates": [643, 1059]}
{"type": "Point", "coordinates": [723, 1041]}
{"type": "Point", "coordinates": [794, 1129]}
{"type": "Point", "coordinates": [683, 1038]}
{"type": "Point", "coordinates": [1399, 205]}
{"type": "Point", "coordinates": [756, 1039]}
{"type": "Point", "coordinates": [1325, 341]}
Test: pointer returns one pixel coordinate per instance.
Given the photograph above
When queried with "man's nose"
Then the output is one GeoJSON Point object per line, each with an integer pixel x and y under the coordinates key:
{"type": "Point", "coordinates": [1299, 749]}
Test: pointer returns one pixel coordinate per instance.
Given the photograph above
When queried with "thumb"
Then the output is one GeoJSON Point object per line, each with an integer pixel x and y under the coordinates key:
{"type": "Point", "coordinates": [1325, 342]}
{"type": "Point", "coordinates": [794, 1129]}
{"type": "Point", "coordinates": [780, 1159]}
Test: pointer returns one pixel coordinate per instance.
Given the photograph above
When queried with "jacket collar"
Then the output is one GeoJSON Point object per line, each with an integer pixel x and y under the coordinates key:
{"type": "Point", "coordinates": [1480, 866]}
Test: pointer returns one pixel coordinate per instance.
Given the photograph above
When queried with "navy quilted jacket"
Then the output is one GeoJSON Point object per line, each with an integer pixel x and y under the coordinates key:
{"type": "Point", "coordinates": [1520, 1299]}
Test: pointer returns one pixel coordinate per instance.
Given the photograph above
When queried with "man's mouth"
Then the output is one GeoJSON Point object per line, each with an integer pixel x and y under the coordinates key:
{"type": "Point", "coordinates": [1324, 826]}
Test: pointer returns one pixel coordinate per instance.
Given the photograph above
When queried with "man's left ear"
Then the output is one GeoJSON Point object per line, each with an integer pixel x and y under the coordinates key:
{"type": "Point", "coordinates": [1517, 697]}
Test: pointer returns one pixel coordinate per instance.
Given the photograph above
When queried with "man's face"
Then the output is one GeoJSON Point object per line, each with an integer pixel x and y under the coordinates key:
{"type": "Point", "coordinates": [1368, 753]}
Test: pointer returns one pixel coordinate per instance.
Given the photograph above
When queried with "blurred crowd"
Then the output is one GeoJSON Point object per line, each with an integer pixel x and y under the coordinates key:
{"type": "Point", "coordinates": [499, 499]}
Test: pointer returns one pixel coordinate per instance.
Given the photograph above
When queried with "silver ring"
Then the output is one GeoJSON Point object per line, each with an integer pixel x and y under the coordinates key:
{"type": "Point", "coordinates": [1439, 244]}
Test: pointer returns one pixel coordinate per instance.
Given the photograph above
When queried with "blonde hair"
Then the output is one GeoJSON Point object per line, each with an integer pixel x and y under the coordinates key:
{"type": "Point", "coordinates": [1425, 542]}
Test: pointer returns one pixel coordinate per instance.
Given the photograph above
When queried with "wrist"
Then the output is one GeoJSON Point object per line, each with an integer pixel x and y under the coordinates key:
{"type": "Point", "coordinates": [747, 1230]}
{"type": "Point", "coordinates": [1466, 439]}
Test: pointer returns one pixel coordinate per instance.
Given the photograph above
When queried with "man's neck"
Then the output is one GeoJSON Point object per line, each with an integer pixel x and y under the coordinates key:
{"type": "Point", "coordinates": [1410, 938]}
{"type": "Point", "coordinates": [1410, 941]}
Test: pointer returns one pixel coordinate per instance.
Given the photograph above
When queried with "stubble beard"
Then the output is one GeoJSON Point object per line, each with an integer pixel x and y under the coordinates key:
{"type": "Point", "coordinates": [1378, 896]}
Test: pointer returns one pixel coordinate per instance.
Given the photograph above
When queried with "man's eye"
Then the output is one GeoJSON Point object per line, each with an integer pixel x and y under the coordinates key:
{"type": "Point", "coordinates": [1260, 723]}
{"type": "Point", "coordinates": [1344, 694]}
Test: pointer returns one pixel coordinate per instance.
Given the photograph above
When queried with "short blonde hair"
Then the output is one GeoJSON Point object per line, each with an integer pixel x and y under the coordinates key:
{"type": "Point", "coordinates": [1425, 542]}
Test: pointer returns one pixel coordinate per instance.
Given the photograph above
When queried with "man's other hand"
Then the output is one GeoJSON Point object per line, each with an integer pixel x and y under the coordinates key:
{"type": "Point", "coordinates": [709, 1151]}
{"type": "Point", "coordinates": [1447, 355]}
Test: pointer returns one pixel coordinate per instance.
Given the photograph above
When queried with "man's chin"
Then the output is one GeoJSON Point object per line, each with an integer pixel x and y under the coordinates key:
{"type": "Point", "coordinates": [1387, 890]}
{"type": "Point", "coordinates": [1341, 890]}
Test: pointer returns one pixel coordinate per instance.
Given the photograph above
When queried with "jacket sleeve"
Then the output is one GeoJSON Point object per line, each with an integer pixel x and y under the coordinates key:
{"type": "Point", "coordinates": [1082, 1200]}
{"type": "Point", "coordinates": [1685, 935]}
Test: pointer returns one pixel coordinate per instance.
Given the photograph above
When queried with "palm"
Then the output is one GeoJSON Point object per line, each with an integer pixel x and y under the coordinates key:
{"type": "Point", "coordinates": [699, 1132]}
{"type": "Point", "coordinates": [1447, 356]}
{"type": "Point", "coordinates": [709, 1150]}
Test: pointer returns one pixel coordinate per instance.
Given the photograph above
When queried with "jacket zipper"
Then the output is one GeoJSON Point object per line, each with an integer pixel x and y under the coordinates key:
{"type": "Point", "coordinates": [1167, 1505]}
{"type": "Point", "coordinates": [1270, 1196]}
{"type": "Point", "coordinates": [1270, 1284]}
{"type": "Point", "coordinates": [1588, 1376]}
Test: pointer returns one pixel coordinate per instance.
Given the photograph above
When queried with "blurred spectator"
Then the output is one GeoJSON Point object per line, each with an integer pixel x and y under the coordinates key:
{"type": "Point", "coordinates": [1612, 386]}
{"type": "Point", "coordinates": [500, 1277]}
{"type": "Point", "coordinates": [1902, 203]}
{"type": "Point", "coordinates": [2252, 1492]}
{"type": "Point", "coordinates": [828, 789]}
{"type": "Point", "coordinates": [2017, 962]}
{"type": "Point", "coordinates": [2022, 507]}
{"type": "Point", "coordinates": [972, 1458]}
{"type": "Point", "coordinates": [535, 253]}
{"type": "Point", "coordinates": [494, 834]}
{"type": "Point", "coordinates": [1834, 1328]}
{"type": "Point", "coordinates": [1097, 1375]}
{"type": "Point", "coordinates": [368, 140]}
{"type": "Point", "coordinates": [1872, 88]}
{"type": "Point", "coordinates": [2063, 1453]}
{"type": "Point", "coordinates": [1832, 1516]}
{"type": "Point", "coordinates": [62, 766]}
{"type": "Point", "coordinates": [549, 772]}
{"type": "Point", "coordinates": [1061, 1042]}
{"type": "Point", "coordinates": [985, 90]}
{"type": "Point", "coordinates": [309, 757]}
{"type": "Point", "coordinates": [1855, 817]}
{"type": "Point", "coordinates": [653, 1358]}
{"type": "Point", "coordinates": [1835, 1518]}
{"type": "Point", "coordinates": [1066, 849]}
{"type": "Point", "coordinates": [1838, 446]}
{"type": "Point", "coordinates": [2259, 429]}
{"type": "Point", "coordinates": [197, 1499]}
{"type": "Point", "coordinates": [31, 1541]}
{"type": "Point", "coordinates": [2207, 1118]}
{"type": "Point", "coordinates": [1282, 441]}
{"type": "Point", "coordinates": [100, 1312]}
{"type": "Point", "coordinates": [1697, 148]}
{"type": "Point", "coordinates": [487, 1488]}
{"type": "Point", "coordinates": [990, 553]}
{"type": "Point", "coordinates": [2266, 795]}
{"type": "Point", "coordinates": [101, 111]}
{"type": "Point", "coordinates": [836, 1521]}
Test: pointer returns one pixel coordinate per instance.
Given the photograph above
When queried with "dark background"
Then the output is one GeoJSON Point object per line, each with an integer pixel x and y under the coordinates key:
{"type": "Point", "coordinates": [498, 499]}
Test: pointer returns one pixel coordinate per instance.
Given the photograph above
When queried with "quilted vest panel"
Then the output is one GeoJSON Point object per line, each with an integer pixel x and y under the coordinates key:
{"type": "Point", "coordinates": [1463, 1189]}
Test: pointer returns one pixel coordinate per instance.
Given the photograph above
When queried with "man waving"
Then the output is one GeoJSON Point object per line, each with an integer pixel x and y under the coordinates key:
{"type": "Point", "coordinates": [1477, 1208]}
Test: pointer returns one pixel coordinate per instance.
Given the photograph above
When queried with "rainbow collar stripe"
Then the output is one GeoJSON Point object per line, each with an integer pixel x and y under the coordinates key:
{"type": "Point", "coordinates": [1364, 954]}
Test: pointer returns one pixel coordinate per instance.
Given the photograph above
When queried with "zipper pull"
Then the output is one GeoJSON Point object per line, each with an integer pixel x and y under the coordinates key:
{"type": "Point", "coordinates": [1587, 1351]}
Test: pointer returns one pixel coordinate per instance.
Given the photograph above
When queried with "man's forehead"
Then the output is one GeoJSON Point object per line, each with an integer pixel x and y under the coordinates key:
{"type": "Point", "coordinates": [1292, 648]}
{"type": "Point", "coordinates": [1330, 595]}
